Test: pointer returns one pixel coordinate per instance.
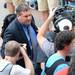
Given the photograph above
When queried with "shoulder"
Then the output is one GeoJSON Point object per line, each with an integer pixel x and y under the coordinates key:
{"type": "Point", "coordinates": [18, 70]}
{"type": "Point", "coordinates": [13, 25]}
{"type": "Point", "coordinates": [52, 59]}
{"type": "Point", "coordinates": [61, 69]}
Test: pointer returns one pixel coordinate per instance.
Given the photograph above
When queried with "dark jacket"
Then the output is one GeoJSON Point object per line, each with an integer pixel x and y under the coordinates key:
{"type": "Point", "coordinates": [7, 20]}
{"type": "Point", "coordinates": [15, 32]}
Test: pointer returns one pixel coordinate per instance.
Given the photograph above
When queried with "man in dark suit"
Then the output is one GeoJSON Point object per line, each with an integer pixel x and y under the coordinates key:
{"type": "Point", "coordinates": [23, 30]}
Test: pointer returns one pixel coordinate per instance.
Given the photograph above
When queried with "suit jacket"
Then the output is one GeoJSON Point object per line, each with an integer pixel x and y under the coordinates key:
{"type": "Point", "coordinates": [15, 32]}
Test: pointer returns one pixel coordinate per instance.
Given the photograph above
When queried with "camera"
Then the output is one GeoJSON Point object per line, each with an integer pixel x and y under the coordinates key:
{"type": "Point", "coordinates": [65, 14]}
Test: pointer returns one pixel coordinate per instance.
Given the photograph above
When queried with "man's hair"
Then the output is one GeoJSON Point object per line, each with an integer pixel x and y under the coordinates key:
{"type": "Point", "coordinates": [12, 48]}
{"type": "Point", "coordinates": [63, 38]}
{"type": "Point", "coordinates": [22, 7]}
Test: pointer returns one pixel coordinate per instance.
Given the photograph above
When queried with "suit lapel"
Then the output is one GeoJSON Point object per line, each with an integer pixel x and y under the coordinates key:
{"type": "Point", "coordinates": [21, 31]}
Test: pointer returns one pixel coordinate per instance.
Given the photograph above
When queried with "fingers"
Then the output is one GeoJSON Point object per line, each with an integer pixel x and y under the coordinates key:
{"type": "Point", "coordinates": [52, 11]}
{"type": "Point", "coordinates": [55, 9]}
{"type": "Point", "coordinates": [24, 46]}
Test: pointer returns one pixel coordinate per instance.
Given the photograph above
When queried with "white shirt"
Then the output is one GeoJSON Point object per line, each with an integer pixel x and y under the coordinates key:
{"type": "Point", "coordinates": [16, 69]}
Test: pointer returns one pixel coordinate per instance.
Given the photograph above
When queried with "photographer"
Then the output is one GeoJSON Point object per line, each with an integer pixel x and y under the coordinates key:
{"type": "Point", "coordinates": [62, 44]}
{"type": "Point", "coordinates": [44, 28]}
{"type": "Point", "coordinates": [47, 45]}
{"type": "Point", "coordinates": [8, 65]}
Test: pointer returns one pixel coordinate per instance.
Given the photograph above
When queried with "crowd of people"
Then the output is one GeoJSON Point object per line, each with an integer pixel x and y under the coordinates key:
{"type": "Point", "coordinates": [25, 50]}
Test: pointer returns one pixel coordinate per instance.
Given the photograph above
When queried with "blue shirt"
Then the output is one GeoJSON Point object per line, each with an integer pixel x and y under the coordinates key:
{"type": "Point", "coordinates": [52, 59]}
{"type": "Point", "coordinates": [25, 28]}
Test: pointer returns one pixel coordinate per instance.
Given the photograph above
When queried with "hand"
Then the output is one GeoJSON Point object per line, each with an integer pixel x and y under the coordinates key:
{"type": "Point", "coordinates": [52, 13]}
{"type": "Point", "coordinates": [23, 49]}
{"type": "Point", "coordinates": [24, 46]}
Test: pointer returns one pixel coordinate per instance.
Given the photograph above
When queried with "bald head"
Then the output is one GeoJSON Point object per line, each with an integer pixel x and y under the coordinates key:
{"type": "Point", "coordinates": [12, 48]}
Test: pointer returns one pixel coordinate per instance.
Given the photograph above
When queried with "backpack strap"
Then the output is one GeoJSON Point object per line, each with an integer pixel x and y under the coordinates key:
{"type": "Point", "coordinates": [50, 70]}
{"type": "Point", "coordinates": [7, 69]}
{"type": "Point", "coordinates": [11, 66]}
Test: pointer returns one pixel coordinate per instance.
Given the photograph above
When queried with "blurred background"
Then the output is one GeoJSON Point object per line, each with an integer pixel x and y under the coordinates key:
{"type": "Point", "coordinates": [31, 3]}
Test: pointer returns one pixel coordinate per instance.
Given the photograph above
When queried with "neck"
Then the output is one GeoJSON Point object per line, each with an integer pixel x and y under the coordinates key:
{"type": "Point", "coordinates": [61, 53]}
{"type": "Point", "coordinates": [64, 52]}
{"type": "Point", "coordinates": [10, 59]}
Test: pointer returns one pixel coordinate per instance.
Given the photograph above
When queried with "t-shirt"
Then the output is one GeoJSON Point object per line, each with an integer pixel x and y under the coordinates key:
{"type": "Point", "coordinates": [47, 47]}
{"type": "Point", "coordinates": [16, 69]}
{"type": "Point", "coordinates": [63, 72]}
{"type": "Point", "coordinates": [52, 59]}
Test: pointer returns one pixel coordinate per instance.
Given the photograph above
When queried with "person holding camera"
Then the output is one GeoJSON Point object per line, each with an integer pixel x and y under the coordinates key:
{"type": "Point", "coordinates": [48, 46]}
{"type": "Point", "coordinates": [60, 24]}
{"type": "Point", "coordinates": [9, 66]}
{"type": "Point", "coordinates": [23, 30]}
{"type": "Point", "coordinates": [43, 42]}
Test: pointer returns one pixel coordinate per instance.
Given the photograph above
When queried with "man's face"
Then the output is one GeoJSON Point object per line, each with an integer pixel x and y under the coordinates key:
{"type": "Point", "coordinates": [72, 49]}
{"type": "Point", "coordinates": [26, 17]}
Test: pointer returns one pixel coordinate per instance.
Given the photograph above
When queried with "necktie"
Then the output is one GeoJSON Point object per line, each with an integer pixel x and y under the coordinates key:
{"type": "Point", "coordinates": [34, 42]}
{"type": "Point", "coordinates": [32, 35]}
{"type": "Point", "coordinates": [30, 42]}
{"type": "Point", "coordinates": [29, 38]}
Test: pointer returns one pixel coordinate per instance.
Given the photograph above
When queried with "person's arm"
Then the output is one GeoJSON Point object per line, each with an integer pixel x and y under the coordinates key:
{"type": "Point", "coordinates": [28, 62]}
{"type": "Point", "coordinates": [43, 29]}
{"type": "Point", "coordinates": [40, 36]}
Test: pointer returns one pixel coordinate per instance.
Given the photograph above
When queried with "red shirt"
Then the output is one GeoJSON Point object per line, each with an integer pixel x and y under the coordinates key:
{"type": "Point", "coordinates": [62, 72]}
